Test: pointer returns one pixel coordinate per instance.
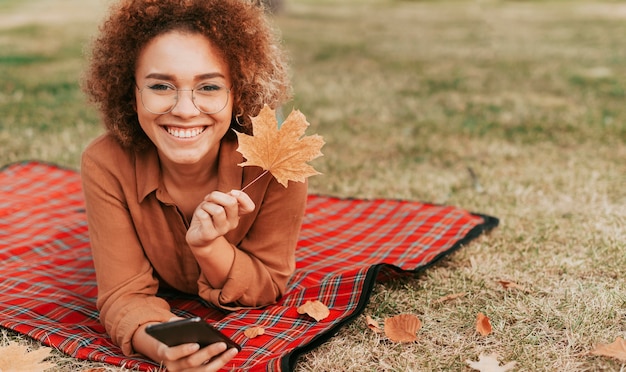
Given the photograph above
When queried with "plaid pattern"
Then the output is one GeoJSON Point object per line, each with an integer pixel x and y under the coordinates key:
{"type": "Point", "coordinates": [48, 288]}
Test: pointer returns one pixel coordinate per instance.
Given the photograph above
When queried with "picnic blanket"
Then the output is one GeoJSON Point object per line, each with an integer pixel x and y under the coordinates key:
{"type": "Point", "coordinates": [48, 285]}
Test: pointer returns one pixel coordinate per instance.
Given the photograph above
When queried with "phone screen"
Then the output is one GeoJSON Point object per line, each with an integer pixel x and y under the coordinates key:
{"type": "Point", "coordinates": [193, 330]}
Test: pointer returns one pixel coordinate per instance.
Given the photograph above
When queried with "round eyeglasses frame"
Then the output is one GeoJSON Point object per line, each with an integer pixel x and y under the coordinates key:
{"type": "Point", "coordinates": [193, 100]}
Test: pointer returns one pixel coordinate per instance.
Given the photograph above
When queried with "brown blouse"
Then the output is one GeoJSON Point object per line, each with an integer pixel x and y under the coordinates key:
{"type": "Point", "coordinates": [137, 237]}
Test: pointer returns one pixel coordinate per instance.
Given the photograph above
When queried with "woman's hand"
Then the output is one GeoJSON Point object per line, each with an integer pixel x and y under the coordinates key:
{"type": "Point", "coordinates": [217, 215]}
{"type": "Point", "coordinates": [189, 357]}
{"type": "Point", "coordinates": [185, 357]}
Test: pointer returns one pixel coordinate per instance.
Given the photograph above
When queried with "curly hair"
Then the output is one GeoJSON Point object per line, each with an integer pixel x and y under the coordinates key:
{"type": "Point", "coordinates": [238, 28]}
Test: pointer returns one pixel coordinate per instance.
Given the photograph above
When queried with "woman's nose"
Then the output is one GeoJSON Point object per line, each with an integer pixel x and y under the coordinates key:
{"type": "Point", "coordinates": [185, 105]}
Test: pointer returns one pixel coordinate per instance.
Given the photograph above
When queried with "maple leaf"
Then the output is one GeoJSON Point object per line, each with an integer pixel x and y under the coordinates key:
{"type": "Point", "coordinates": [283, 152]}
{"type": "Point", "coordinates": [402, 328]}
{"type": "Point", "coordinates": [315, 309]}
{"type": "Point", "coordinates": [16, 358]}
{"type": "Point", "coordinates": [615, 350]}
{"type": "Point", "coordinates": [483, 326]}
{"type": "Point", "coordinates": [489, 363]}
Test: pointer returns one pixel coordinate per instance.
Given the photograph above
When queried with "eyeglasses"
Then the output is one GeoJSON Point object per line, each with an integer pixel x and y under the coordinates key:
{"type": "Point", "coordinates": [161, 97]}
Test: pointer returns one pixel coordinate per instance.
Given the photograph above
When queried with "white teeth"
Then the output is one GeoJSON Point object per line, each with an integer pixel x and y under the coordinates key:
{"type": "Point", "coordinates": [184, 133]}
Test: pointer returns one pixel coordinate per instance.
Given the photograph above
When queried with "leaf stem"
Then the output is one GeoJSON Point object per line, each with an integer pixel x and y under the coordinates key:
{"type": "Point", "coordinates": [256, 179]}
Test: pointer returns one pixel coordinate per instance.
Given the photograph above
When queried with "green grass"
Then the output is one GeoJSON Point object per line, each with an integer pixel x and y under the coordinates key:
{"type": "Point", "coordinates": [44, 114]}
{"type": "Point", "coordinates": [410, 96]}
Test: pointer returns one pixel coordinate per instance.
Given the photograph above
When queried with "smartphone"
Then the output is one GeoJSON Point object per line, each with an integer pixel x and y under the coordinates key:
{"type": "Point", "coordinates": [192, 330]}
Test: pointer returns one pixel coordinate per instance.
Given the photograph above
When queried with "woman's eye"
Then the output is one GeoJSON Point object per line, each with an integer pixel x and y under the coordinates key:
{"type": "Point", "coordinates": [161, 87]}
{"type": "Point", "coordinates": [209, 88]}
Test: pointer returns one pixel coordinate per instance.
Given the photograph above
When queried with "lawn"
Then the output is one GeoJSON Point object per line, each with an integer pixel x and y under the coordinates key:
{"type": "Point", "coordinates": [510, 108]}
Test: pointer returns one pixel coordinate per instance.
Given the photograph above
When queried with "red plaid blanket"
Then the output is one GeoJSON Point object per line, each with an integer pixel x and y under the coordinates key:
{"type": "Point", "coordinates": [48, 288]}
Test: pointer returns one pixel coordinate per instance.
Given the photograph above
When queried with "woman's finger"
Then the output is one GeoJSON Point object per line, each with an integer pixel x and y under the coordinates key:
{"type": "Point", "coordinates": [245, 204]}
{"type": "Point", "coordinates": [210, 358]}
{"type": "Point", "coordinates": [219, 217]}
{"type": "Point", "coordinates": [177, 358]}
{"type": "Point", "coordinates": [219, 361]}
{"type": "Point", "coordinates": [229, 204]}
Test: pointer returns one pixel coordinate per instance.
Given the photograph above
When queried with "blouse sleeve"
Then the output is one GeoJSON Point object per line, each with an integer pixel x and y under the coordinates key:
{"type": "Point", "coordinates": [126, 285]}
{"type": "Point", "coordinates": [265, 257]}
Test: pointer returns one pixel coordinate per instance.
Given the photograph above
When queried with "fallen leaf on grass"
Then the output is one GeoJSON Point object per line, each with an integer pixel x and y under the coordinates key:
{"type": "Point", "coordinates": [506, 284]}
{"type": "Point", "coordinates": [402, 328]}
{"type": "Point", "coordinates": [489, 363]}
{"type": "Point", "coordinates": [615, 350]}
{"type": "Point", "coordinates": [283, 152]}
{"type": "Point", "coordinates": [16, 358]}
{"type": "Point", "coordinates": [314, 309]}
{"type": "Point", "coordinates": [373, 325]}
{"type": "Point", "coordinates": [449, 297]}
{"type": "Point", "coordinates": [483, 326]}
{"type": "Point", "coordinates": [253, 332]}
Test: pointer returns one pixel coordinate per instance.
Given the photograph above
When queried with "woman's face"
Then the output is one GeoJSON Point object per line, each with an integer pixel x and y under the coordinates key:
{"type": "Point", "coordinates": [184, 130]}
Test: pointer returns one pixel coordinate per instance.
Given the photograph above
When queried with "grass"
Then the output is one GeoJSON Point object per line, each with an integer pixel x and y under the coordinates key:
{"type": "Point", "coordinates": [514, 109]}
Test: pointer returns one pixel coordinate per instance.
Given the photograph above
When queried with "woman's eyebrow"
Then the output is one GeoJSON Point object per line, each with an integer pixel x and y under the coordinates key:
{"type": "Point", "coordinates": [161, 76]}
{"type": "Point", "coordinates": [211, 75]}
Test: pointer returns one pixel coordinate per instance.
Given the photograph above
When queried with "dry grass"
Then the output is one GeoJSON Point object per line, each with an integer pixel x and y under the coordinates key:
{"type": "Point", "coordinates": [527, 95]}
{"type": "Point", "coordinates": [409, 96]}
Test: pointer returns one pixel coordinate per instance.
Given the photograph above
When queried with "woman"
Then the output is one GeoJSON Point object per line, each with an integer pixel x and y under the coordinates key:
{"type": "Point", "coordinates": [172, 79]}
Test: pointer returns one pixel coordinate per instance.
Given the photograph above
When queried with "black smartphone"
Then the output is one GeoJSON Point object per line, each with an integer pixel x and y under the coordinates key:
{"type": "Point", "coordinates": [192, 330]}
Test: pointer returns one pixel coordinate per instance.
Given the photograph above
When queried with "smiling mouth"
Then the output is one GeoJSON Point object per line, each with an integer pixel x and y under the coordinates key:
{"type": "Point", "coordinates": [185, 132]}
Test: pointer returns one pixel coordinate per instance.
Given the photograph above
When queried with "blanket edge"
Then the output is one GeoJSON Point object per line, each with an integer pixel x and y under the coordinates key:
{"type": "Point", "coordinates": [289, 360]}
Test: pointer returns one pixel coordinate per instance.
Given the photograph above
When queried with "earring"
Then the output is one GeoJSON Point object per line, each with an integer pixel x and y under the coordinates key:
{"type": "Point", "coordinates": [237, 120]}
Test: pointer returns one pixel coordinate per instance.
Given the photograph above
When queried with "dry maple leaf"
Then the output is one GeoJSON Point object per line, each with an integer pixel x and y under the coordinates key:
{"type": "Point", "coordinates": [483, 326]}
{"type": "Point", "coordinates": [373, 325]}
{"type": "Point", "coordinates": [314, 309]}
{"type": "Point", "coordinates": [283, 152]}
{"type": "Point", "coordinates": [615, 350]}
{"type": "Point", "coordinates": [490, 363]}
{"type": "Point", "coordinates": [16, 358]}
{"type": "Point", "coordinates": [253, 332]}
{"type": "Point", "coordinates": [402, 328]}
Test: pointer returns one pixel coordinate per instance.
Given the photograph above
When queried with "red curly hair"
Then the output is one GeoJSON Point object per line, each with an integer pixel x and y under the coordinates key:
{"type": "Point", "coordinates": [238, 28]}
